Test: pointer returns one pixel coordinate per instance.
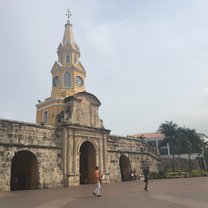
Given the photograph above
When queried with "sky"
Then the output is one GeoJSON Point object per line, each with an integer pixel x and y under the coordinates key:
{"type": "Point", "coordinates": [146, 60]}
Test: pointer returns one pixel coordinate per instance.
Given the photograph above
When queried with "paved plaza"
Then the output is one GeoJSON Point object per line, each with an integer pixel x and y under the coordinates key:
{"type": "Point", "coordinates": [169, 193]}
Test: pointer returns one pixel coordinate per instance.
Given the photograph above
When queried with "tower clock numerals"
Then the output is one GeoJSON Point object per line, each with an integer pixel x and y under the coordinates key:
{"type": "Point", "coordinates": [55, 81]}
{"type": "Point", "coordinates": [79, 81]}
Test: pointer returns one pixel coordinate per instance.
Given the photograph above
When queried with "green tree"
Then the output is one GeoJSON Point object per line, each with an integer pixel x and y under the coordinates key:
{"type": "Point", "coordinates": [170, 130]}
{"type": "Point", "coordinates": [190, 142]}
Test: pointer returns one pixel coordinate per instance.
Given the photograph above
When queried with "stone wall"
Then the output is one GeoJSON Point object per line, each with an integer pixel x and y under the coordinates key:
{"type": "Point", "coordinates": [37, 140]}
{"type": "Point", "coordinates": [55, 154]}
{"type": "Point", "coordinates": [180, 164]}
{"type": "Point", "coordinates": [138, 154]}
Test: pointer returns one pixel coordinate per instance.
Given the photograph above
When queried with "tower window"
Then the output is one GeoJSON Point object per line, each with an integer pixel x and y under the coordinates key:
{"type": "Point", "coordinates": [67, 79]}
{"type": "Point", "coordinates": [45, 117]}
{"type": "Point", "coordinates": [75, 59]}
{"type": "Point", "coordinates": [67, 58]}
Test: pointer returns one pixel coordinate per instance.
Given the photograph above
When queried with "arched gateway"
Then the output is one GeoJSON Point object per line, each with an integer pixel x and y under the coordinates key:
{"type": "Point", "coordinates": [125, 168]}
{"type": "Point", "coordinates": [87, 162]}
{"type": "Point", "coordinates": [24, 171]}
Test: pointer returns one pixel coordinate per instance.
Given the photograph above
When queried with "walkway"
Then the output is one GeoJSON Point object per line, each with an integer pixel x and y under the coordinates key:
{"type": "Point", "coordinates": [172, 193]}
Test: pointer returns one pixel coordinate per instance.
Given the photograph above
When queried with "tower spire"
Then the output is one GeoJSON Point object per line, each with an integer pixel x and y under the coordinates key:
{"type": "Point", "coordinates": [68, 14]}
{"type": "Point", "coordinates": [68, 34]}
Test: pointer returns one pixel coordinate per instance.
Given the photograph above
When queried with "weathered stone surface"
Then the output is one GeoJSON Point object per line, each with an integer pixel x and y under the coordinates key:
{"type": "Point", "coordinates": [180, 164]}
{"type": "Point", "coordinates": [58, 152]}
{"type": "Point", "coordinates": [82, 109]}
{"type": "Point", "coordinates": [39, 140]}
{"type": "Point", "coordinates": [138, 154]}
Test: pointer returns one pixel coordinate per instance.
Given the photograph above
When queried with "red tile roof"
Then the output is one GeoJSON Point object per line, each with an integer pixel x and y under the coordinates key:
{"type": "Point", "coordinates": [157, 135]}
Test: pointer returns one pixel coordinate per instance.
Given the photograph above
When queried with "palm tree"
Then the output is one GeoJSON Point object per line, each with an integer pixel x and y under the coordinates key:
{"type": "Point", "coordinates": [191, 142]}
{"type": "Point", "coordinates": [170, 130]}
{"type": "Point", "coordinates": [205, 154]}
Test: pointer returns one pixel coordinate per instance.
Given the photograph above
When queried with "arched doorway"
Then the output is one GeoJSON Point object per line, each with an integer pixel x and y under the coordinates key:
{"type": "Point", "coordinates": [87, 163]}
{"type": "Point", "coordinates": [125, 168]}
{"type": "Point", "coordinates": [24, 171]}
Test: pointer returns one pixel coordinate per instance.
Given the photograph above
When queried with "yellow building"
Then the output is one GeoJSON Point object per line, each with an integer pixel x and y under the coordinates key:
{"type": "Point", "coordinates": [68, 78]}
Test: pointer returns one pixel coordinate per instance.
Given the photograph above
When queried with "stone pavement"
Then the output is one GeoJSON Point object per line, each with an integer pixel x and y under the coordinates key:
{"type": "Point", "coordinates": [169, 193]}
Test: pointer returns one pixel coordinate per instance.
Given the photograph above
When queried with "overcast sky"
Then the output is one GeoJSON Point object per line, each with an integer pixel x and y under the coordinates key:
{"type": "Point", "coordinates": [146, 60]}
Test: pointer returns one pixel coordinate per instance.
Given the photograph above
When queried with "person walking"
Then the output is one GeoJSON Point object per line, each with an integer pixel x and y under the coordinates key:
{"type": "Point", "coordinates": [146, 177]}
{"type": "Point", "coordinates": [96, 192]}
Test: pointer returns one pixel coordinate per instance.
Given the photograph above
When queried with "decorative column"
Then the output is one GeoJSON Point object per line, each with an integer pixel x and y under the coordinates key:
{"type": "Point", "coordinates": [65, 157]}
{"type": "Point", "coordinates": [100, 155]}
{"type": "Point", "coordinates": [74, 154]}
{"type": "Point", "coordinates": [106, 178]}
{"type": "Point", "coordinates": [73, 176]}
{"type": "Point", "coordinates": [69, 161]}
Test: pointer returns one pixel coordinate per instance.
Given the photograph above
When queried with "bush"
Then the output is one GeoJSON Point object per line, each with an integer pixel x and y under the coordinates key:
{"type": "Point", "coordinates": [155, 175]}
{"type": "Point", "coordinates": [168, 174]}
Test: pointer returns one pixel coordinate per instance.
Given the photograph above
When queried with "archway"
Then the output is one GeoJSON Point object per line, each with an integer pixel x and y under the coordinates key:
{"type": "Point", "coordinates": [87, 163]}
{"type": "Point", "coordinates": [125, 168]}
{"type": "Point", "coordinates": [24, 171]}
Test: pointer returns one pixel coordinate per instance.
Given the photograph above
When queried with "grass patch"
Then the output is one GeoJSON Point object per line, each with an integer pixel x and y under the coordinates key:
{"type": "Point", "coordinates": [179, 174]}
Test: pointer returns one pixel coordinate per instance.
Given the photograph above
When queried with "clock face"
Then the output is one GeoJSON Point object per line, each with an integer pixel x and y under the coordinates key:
{"type": "Point", "coordinates": [79, 81]}
{"type": "Point", "coordinates": [55, 81]}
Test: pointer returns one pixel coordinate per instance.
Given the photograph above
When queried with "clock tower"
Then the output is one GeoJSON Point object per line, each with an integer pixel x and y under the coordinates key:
{"type": "Point", "coordinates": [68, 78]}
{"type": "Point", "coordinates": [68, 74]}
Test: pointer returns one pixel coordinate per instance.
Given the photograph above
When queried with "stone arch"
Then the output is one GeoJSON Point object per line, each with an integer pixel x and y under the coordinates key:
{"type": "Point", "coordinates": [87, 140]}
{"type": "Point", "coordinates": [24, 171]}
{"type": "Point", "coordinates": [125, 168]}
{"type": "Point", "coordinates": [87, 162]}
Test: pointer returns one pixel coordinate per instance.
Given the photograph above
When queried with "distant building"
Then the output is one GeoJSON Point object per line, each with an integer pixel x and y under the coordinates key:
{"type": "Point", "coordinates": [154, 139]}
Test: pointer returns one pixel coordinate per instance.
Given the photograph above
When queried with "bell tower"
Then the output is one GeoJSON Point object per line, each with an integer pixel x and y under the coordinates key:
{"type": "Point", "coordinates": [68, 78]}
{"type": "Point", "coordinates": [68, 74]}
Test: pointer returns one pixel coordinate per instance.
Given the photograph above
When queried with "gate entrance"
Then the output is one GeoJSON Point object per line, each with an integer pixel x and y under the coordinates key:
{"type": "Point", "coordinates": [125, 168]}
{"type": "Point", "coordinates": [24, 171]}
{"type": "Point", "coordinates": [87, 163]}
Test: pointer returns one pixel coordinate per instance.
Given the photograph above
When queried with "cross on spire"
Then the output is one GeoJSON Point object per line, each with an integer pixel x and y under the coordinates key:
{"type": "Point", "coordinates": [68, 14]}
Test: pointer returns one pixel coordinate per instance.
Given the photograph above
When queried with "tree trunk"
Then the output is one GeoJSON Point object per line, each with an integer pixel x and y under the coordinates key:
{"type": "Point", "coordinates": [189, 161]}
{"type": "Point", "coordinates": [173, 160]}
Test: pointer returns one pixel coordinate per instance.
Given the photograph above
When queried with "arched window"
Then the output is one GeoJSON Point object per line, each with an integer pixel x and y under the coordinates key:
{"type": "Point", "coordinates": [45, 117]}
{"type": "Point", "coordinates": [75, 59]}
{"type": "Point", "coordinates": [67, 58]}
{"type": "Point", "coordinates": [67, 79]}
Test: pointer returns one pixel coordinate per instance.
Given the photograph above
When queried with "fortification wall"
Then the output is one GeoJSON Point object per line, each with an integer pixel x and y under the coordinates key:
{"type": "Point", "coordinates": [39, 142]}
{"type": "Point", "coordinates": [128, 155]}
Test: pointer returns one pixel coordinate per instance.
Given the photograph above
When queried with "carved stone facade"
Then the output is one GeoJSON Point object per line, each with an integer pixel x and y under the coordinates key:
{"type": "Point", "coordinates": [82, 109]}
{"type": "Point", "coordinates": [83, 149]}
